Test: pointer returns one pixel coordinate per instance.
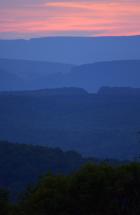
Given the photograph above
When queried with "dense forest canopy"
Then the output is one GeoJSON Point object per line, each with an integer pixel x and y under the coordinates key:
{"type": "Point", "coordinates": [94, 189]}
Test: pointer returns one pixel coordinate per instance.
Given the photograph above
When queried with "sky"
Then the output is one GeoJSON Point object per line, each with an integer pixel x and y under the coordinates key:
{"type": "Point", "coordinates": [39, 18]}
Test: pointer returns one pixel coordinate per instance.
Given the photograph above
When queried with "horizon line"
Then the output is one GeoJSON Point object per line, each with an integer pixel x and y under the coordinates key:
{"type": "Point", "coordinates": [71, 36]}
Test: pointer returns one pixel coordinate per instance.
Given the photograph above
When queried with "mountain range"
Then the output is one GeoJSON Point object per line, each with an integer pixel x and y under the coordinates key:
{"type": "Point", "coordinates": [25, 74]}
{"type": "Point", "coordinates": [34, 75]}
{"type": "Point", "coordinates": [101, 125]}
{"type": "Point", "coordinates": [72, 50]}
{"type": "Point", "coordinates": [73, 93]}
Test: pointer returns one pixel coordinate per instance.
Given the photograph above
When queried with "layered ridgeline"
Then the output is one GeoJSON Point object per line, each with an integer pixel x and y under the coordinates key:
{"type": "Point", "coordinates": [29, 75]}
{"type": "Point", "coordinates": [114, 74]}
{"type": "Point", "coordinates": [102, 125]}
{"type": "Point", "coordinates": [25, 74]}
{"type": "Point", "coordinates": [73, 50]}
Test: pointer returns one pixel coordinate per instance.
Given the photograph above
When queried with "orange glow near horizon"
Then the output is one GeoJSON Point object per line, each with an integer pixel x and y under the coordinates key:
{"type": "Point", "coordinates": [78, 18]}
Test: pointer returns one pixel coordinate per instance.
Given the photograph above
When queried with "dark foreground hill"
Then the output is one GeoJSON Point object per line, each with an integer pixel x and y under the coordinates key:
{"type": "Point", "coordinates": [99, 125]}
{"type": "Point", "coordinates": [21, 165]}
{"type": "Point", "coordinates": [73, 50]}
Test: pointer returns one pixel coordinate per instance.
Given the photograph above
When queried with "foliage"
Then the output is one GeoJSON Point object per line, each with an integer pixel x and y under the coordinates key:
{"type": "Point", "coordinates": [94, 190]}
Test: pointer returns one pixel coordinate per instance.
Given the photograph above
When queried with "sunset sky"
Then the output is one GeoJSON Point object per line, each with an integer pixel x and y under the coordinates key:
{"type": "Point", "coordinates": [36, 18]}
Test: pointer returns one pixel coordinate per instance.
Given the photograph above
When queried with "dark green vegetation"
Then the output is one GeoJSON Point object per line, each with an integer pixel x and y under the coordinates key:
{"type": "Point", "coordinates": [104, 125]}
{"type": "Point", "coordinates": [93, 190]}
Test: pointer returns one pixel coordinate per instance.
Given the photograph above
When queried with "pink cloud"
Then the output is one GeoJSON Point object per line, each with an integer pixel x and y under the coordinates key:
{"type": "Point", "coordinates": [71, 18]}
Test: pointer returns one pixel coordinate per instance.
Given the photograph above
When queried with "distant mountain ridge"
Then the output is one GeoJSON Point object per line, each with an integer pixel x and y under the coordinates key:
{"type": "Point", "coordinates": [30, 75]}
{"type": "Point", "coordinates": [26, 74]}
{"type": "Point", "coordinates": [73, 50]}
{"type": "Point", "coordinates": [65, 91]}
{"type": "Point", "coordinates": [92, 77]}
{"type": "Point", "coordinates": [119, 91]}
